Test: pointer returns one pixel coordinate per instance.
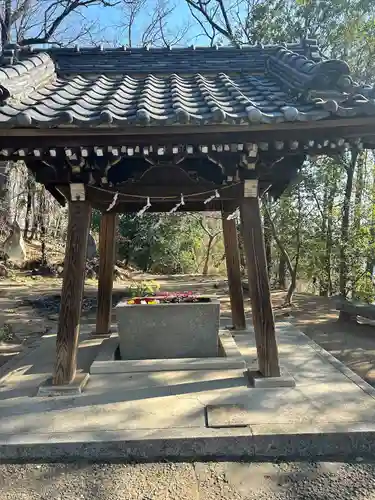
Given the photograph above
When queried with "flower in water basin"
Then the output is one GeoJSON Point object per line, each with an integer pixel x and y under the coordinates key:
{"type": "Point", "coordinates": [169, 298]}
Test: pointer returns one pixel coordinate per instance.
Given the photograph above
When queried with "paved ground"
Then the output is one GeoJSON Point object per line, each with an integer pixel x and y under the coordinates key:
{"type": "Point", "coordinates": [185, 481]}
{"type": "Point", "coordinates": [124, 414]}
{"type": "Point", "coordinates": [355, 345]}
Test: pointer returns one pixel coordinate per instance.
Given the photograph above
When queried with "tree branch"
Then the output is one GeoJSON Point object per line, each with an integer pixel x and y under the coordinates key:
{"type": "Point", "coordinates": [72, 5]}
{"type": "Point", "coordinates": [211, 36]}
{"type": "Point", "coordinates": [201, 7]}
{"type": "Point", "coordinates": [278, 240]}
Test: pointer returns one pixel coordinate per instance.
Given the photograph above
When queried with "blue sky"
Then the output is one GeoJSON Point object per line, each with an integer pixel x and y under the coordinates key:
{"type": "Point", "coordinates": [107, 24]}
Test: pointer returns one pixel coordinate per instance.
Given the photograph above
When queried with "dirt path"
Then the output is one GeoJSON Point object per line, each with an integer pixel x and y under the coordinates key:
{"type": "Point", "coordinates": [20, 325]}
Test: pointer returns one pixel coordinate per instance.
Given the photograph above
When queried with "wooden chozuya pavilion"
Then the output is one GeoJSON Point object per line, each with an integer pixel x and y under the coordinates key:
{"type": "Point", "coordinates": [114, 129]}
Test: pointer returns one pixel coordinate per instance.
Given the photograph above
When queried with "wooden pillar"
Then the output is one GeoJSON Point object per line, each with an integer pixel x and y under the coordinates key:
{"type": "Point", "coordinates": [107, 246]}
{"type": "Point", "coordinates": [72, 291]}
{"type": "Point", "coordinates": [232, 256]}
{"type": "Point", "coordinates": [259, 288]}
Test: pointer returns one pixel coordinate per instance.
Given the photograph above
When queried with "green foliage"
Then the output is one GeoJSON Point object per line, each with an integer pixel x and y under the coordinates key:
{"type": "Point", "coordinates": [316, 225]}
{"type": "Point", "coordinates": [345, 29]}
{"type": "Point", "coordinates": [160, 243]}
{"type": "Point", "coordinates": [6, 333]}
{"type": "Point", "coordinates": [165, 243]}
{"type": "Point", "coordinates": [365, 288]}
{"type": "Point", "coordinates": [95, 221]}
{"type": "Point", "coordinates": [142, 288]}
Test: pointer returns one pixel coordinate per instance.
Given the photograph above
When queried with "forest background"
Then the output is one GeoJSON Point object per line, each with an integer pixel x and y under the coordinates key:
{"type": "Point", "coordinates": [320, 234]}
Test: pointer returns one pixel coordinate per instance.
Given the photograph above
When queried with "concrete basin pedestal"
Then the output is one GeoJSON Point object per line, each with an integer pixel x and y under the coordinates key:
{"type": "Point", "coordinates": [168, 330]}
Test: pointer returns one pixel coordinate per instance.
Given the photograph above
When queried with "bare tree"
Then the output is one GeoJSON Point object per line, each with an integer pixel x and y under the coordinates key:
{"type": "Point", "coordinates": [211, 225]}
{"type": "Point", "coordinates": [32, 22]}
{"type": "Point", "coordinates": [241, 21]}
{"type": "Point", "coordinates": [289, 262]}
{"type": "Point", "coordinates": [148, 22]}
{"type": "Point", "coordinates": [215, 14]}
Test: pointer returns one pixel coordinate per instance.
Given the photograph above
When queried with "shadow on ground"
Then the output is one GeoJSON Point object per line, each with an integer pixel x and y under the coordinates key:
{"type": "Point", "coordinates": [353, 344]}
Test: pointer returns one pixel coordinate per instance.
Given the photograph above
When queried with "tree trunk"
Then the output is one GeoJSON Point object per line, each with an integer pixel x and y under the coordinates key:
{"type": "Point", "coordinates": [282, 272]}
{"type": "Point", "coordinates": [359, 187]}
{"type": "Point", "coordinates": [325, 288]}
{"type": "Point", "coordinates": [208, 253]}
{"type": "Point", "coordinates": [34, 229]}
{"type": "Point", "coordinates": [371, 257]}
{"type": "Point", "coordinates": [57, 231]}
{"type": "Point", "coordinates": [323, 280]}
{"type": "Point", "coordinates": [147, 261]}
{"type": "Point", "coordinates": [267, 237]}
{"type": "Point", "coordinates": [27, 215]}
{"type": "Point", "coordinates": [242, 251]}
{"type": "Point", "coordinates": [343, 268]}
{"type": "Point", "coordinates": [36, 217]}
{"type": "Point", "coordinates": [292, 286]}
{"type": "Point", "coordinates": [293, 269]}
{"type": "Point", "coordinates": [329, 242]}
{"type": "Point", "coordinates": [43, 229]}
{"type": "Point", "coordinates": [293, 275]}
{"type": "Point", "coordinates": [30, 194]}
{"type": "Point", "coordinates": [6, 27]}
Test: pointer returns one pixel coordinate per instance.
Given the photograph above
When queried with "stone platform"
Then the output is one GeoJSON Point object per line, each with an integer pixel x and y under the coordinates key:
{"type": "Point", "coordinates": [230, 358]}
{"type": "Point", "coordinates": [186, 414]}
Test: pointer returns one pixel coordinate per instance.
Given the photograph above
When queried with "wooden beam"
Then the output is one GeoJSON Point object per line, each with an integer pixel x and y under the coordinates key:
{"type": "Point", "coordinates": [261, 306]}
{"type": "Point", "coordinates": [232, 256]}
{"type": "Point", "coordinates": [167, 132]}
{"type": "Point", "coordinates": [57, 195]}
{"type": "Point", "coordinates": [72, 291]}
{"type": "Point", "coordinates": [107, 245]}
{"type": "Point", "coordinates": [163, 136]}
{"type": "Point", "coordinates": [312, 147]}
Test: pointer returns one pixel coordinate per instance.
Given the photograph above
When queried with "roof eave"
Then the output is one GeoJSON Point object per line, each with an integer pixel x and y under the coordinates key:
{"type": "Point", "coordinates": [345, 127]}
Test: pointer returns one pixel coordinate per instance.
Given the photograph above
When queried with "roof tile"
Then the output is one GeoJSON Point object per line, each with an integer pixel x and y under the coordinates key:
{"type": "Point", "coordinates": [138, 87]}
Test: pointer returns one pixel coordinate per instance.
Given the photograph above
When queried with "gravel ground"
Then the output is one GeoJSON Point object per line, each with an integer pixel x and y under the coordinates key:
{"type": "Point", "coordinates": [184, 481]}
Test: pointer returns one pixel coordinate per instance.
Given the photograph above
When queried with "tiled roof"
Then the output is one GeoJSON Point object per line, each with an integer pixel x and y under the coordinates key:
{"type": "Point", "coordinates": [166, 61]}
{"type": "Point", "coordinates": [140, 87]}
